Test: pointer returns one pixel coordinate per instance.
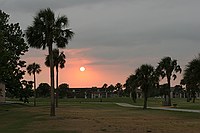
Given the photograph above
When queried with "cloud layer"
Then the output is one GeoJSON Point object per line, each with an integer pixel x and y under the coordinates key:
{"type": "Point", "coordinates": [126, 33]}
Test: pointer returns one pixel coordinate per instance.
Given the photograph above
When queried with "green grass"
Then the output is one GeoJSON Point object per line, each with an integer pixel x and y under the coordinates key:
{"type": "Point", "coordinates": [21, 118]}
{"type": "Point", "coordinates": [12, 119]}
{"type": "Point", "coordinates": [153, 102]}
{"type": "Point", "coordinates": [181, 103]}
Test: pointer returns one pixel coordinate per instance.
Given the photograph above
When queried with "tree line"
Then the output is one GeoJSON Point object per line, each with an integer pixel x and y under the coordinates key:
{"type": "Point", "coordinates": [48, 30]}
{"type": "Point", "coordinates": [45, 31]}
{"type": "Point", "coordinates": [147, 78]}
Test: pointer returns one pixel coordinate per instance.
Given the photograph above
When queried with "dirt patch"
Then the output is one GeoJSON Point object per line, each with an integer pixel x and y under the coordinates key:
{"type": "Point", "coordinates": [75, 119]}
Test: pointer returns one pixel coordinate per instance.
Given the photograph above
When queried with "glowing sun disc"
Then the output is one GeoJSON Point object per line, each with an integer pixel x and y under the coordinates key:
{"type": "Point", "coordinates": [82, 69]}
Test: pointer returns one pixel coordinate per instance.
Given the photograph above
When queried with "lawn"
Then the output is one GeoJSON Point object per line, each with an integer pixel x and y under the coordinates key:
{"type": "Point", "coordinates": [83, 116]}
{"type": "Point", "coordinates": [153, 102]}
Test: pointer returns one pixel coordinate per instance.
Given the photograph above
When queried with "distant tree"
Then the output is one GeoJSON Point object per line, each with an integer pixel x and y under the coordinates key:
{"type": "Point", "coordinates": [168, 68]}
{"type": "Point", "coordinates": [26, 91]}
{"type": "Point", "coordinates": [34, 69]}
{"type": "Point", "coordinates": [12, 48]}
{"type": "Point", "coordinates": [178, 89]}
{"type": "Point", "coordinates": [131, 85]}
{"type": "Point", "coordinates": [182, 83]}
{"type": "Point", "coordinates": [146, 79]}
{"type": "Point", "coordinates": [111, 88]}
{"type": "Point", "coordinates": [105, 88]}
{"type": "Point", "coordinates": [63, 88]}
{"type": "Point", "coordinates": [191, 77]}
{"type": "Point", "coordinates": [164, 91]}
{"type": "Point", "coordinates": [59, 62]}
{"type": "Point", "coordinates": [45, 31]}
{"type": "Point", "coordinates": [43, 90]}
{"type": "Point", "coordinates": [118, 88]}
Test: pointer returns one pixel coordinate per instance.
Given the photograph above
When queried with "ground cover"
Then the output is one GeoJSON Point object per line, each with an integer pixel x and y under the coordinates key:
{"type": "Point", "coordinates": [99, 117]}
{"type": "Point", "coordinates": [153, 102]}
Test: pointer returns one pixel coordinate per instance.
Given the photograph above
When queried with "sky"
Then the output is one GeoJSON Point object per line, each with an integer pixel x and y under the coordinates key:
{"type": "Point", "coordinates": [114, 37]}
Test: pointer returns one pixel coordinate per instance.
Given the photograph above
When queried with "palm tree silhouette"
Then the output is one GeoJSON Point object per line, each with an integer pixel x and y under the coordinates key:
{"type": "Point", "coordinates": [168, 68]}
{"type": "Point", "coordinates": [34, 69]}
{"type": "Point", "coordinates": [146, 79]}
{"type": "Point", "coordinates": [45, 31]}
{"type": "Point", "coordinates": [59, 62]}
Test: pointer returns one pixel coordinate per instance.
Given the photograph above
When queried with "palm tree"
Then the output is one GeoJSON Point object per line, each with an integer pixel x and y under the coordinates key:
{"type": "Point", "coordinates": [105, 87]}
{"type": "Point", "coordinates": [146, 80]}
{"type": "Point", "coordinates": [131, 85]}
{"type": "Point", "coordinates": [46, 30]}
{"type": "Point", "coordinates": [34, 69]}
{"type": "Point", "coordinates": [168, 68]}
{"type": "Point", "coordinates": [59, 62]}
{"type": "Point", "coordinates": [191, 77]}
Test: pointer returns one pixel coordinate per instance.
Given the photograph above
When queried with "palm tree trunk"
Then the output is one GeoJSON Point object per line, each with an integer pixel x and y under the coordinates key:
{"type": "Point", "coordinates": [57, 86]}
{"type": "Point", "coordinates": [193, 101]}
{"type": "Point", "coordinates": [145, 101]}
{"type": "Point", "coordinates": [165, 97]}
{"type": "Point", "coordinates": [52, 111]}
{"type": "Point", "coordinates": [188, 96]}
{"type": "Point", "coordinates": [145, 98]}
{"type": "Point", "coordinates": [194, 97]}
{"type": "Point", "coordinates": [169, 90]}
{"type": "Point", "coordinates": [34, 90]}
{"type": "Point", "coordinates": [133, 96]}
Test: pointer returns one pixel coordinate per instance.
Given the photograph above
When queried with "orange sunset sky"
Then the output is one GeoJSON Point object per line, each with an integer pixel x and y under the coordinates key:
{"type": "Point", "coordinates": [114, 37]}
{"type": "Point", "coordinates": [93, 76]}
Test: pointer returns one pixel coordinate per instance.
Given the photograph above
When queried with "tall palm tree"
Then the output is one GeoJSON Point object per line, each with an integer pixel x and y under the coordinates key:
{"type": "Point", "coordinates": [146, 79]}
{"type": "Point", "coordinates": [46, 30]}
{"type": "Point", "coordinates": [59, 62]}
{"type": "Point", "coordinates": [34, 69]}
{"type": "Point", "coordinates": [168, 68]}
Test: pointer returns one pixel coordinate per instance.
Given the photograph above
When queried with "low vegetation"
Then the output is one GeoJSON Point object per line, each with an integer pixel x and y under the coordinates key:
{"type": "Point", "coordinates": [90, 115]}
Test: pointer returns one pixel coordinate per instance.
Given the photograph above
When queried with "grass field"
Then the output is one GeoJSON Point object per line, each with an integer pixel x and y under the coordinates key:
{"type": "Point", "coordinates": [87, 115]}
{"type": "Point", "coordinates": [153, 102]}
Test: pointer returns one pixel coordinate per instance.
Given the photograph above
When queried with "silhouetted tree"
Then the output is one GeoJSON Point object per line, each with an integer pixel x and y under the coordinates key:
{"type": "Point", "coordinates": [46, 30]}
{"type": "Point", "coordinates": [146, 79]}
{"type": "Point", "coordinates": [26, 91]}
{"type": "Point", "coordinates": [34, 69]}
{"type": "Point", "coordinates": [12, 48]}
{"type": "Point", "coordinates": [59, 62]}
{"type": "Point", "coordinates": [164, 92]}
{"type": "Point", "coordinates": [118, 88]}
{"type": "Point", "coordinates": [131, 85]}
{"type": "Point", "coordinates": [105, 89]}
{"type": "Point", "coordinates": [191, 77]}
{"type": "Point", "coordinates": [63, 88]}
{"type": "Point", "coordinates": [43, 90]}
{"type": "Point", "coordinates": [111, 88]}
{"type": "Point", "coordinates": [168, 68]}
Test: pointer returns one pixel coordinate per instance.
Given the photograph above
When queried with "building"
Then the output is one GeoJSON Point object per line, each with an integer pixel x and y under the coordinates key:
{"type": "Point", "coordinates": [93, 92]}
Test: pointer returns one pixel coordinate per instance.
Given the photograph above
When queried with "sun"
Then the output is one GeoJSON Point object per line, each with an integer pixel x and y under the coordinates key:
{"type": "Point", "coordinates": [82, 69]}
